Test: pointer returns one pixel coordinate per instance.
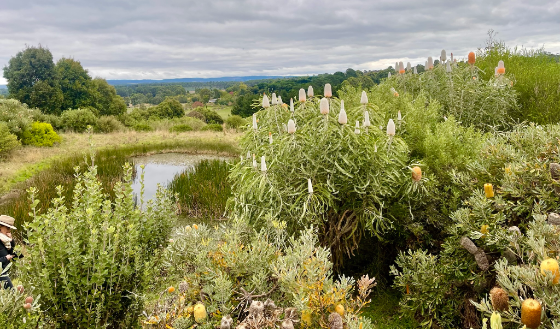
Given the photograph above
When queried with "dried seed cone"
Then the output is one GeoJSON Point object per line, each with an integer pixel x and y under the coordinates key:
{"type": "Point", "coordinates": [471, 58]}
{"type": "Point", "coordinates": [551, 265]}
{"type": "Point", "coordinates": [416, 173]}
{"type": "Point", "coordinates": [226, 323]}
{"type": "Point", "coordinates": [555, 170]}
{"type": "Point", "coordinates": [256, 308]}
{"type": "Point", "coordinates": [531, 313]}
{"type": "Point", "coordinates": [499, 299]}
{"type": "Point", "coordinates": [287, 324]}
{"type": "Point", "coordinates": [199, 313]}
{"type": "Point", "coordinates": [184, 286]}
{"type": "Point", "coordinates": [335, 321]}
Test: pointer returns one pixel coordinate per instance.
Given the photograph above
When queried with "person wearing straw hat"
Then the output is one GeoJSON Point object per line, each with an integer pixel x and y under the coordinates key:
{"type": "Point", "coordinates": [6, 248]}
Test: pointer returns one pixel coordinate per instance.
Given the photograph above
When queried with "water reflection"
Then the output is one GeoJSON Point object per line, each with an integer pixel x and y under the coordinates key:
{"type": "Point", "coordinates": [162, 168]}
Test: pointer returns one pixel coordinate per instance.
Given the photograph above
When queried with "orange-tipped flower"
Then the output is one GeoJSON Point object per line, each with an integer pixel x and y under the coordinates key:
{"type": "Point", "coordinates": [324, 106]}
{"type": "Point", "coordinates": [170, 289]}
{"type": "Point", "coordinates": [501, 68]}
{"type": "Point", "coordinates": [416, 173]}
{"type": "Point", "coordinates": [401, 67]}
{"type": "Point", "coordinates": [328, 90]}
{"type": "Point", "coordinates": [302, 95]}
{"type": "Point", "coordinates": [471, 58]}
{"type": "Point", "coordinates": [430, 63]}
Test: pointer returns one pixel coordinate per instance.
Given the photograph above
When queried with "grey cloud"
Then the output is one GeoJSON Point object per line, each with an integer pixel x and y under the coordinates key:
{"type": "Point", "coordinates": [168, 39]}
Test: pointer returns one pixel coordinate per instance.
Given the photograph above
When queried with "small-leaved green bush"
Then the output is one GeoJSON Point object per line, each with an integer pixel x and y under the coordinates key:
{"type": "Point", "coordinates": [8, 141]}
{"type": "Point", "coordinates": [41, 135]}
{"type": "Point", "coordinates": [78, 120]}
{"type": "Point", "coordinates": [213, 127]}
{"type": "Point", "coordinates": [180, 128]}
{"type": "Point", "coordinates": [108, 124]}
{"type": "Point", "coordinates": [90, 260]}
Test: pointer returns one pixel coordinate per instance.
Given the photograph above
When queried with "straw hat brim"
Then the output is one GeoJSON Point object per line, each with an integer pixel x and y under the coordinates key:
{"type": "Point", "coordinates": [7, 225]}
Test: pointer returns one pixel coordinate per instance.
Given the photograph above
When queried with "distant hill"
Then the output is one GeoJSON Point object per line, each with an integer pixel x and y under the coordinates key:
{"type": "Point", "coordinates": [183, 80]}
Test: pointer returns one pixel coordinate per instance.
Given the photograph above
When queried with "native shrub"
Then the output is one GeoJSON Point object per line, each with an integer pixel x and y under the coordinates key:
{"type": "Point", "coordinates": [213, 127]}
{"type": "Point", "coordinates": [14, 313]}
{"type": "Point", "coordinates": [17, 116]}
{"type": "Point", "coordinates": [235, 122]}
{"type": "Point", "coordinates": [335, 176]}
{"type": "Point", "coordinates": [8, 141]}
{"type": "Point", "coordinates": [89, 260]}
{"type": "Point", "coordinates": [223, 267]}
{"type": "Point", "coordinates": [108, 124]}
{"type": "Point", "coordinates": [41, 135]}
{"type": "Point", "coordinates": [78, 120]}
{"type": "Point", "coordinates": [180, 128]}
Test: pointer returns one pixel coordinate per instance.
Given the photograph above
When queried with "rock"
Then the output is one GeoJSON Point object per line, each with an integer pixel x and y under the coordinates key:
{"type": "Point", "coordinates": [481, 260]}
{"type": "Point", "coordinates": [510, 256]}
{"type": "Point", "coordinates": [554, 219]}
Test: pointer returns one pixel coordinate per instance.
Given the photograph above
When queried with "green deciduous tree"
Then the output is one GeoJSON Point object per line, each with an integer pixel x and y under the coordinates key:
{"type": "Point", "coordinates": [105, 99]}
{"type": "Point", "coordinates": [33, 79]}
{"type": "Point", "coordinates": [75, 83]}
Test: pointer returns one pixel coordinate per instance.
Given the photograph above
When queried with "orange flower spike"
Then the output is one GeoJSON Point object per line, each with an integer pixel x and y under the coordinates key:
{"type": "Point", "coordinates": [471, 58]}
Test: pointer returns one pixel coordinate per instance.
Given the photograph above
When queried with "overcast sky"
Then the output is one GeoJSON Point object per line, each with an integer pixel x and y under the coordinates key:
{"type": "Point", "coordinates": [154, 39]}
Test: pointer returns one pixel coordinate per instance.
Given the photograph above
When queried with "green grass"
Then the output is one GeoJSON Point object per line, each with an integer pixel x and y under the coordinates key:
{"type": "Point", "coordinates": [109, 164]}
{"type": "Point", "coordinates": [223, 111]}
{"type": "Point", "coordinates": [203, 192]}
{"type": "Point", "coordinates": [385, 313]}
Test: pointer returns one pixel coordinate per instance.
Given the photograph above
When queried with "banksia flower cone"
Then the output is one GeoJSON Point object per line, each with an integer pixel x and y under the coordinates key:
{"type": "Point", "coordinates": [302, 95]}
{"type": "Point", "coordinates": [389, 75]}
{"type": "Point", "coordinates": [366, 119]}
{"type": "Point", "coordinates": [501, 67]}
{"type": "Point", "coordinates": [443, 56]}
{"type": "Point", "coordinates": [279, 99]}
{"type": "Point", "coordinates": [415, 71]}
{"type": "Point", "coordinates": [430, 63]}
{"type": "Point", "coordinates": [274, 99]}
{"type": "Point", "coordinates": [416, 174]}
{"type": "Point", "coordinates": [270, 137]}
{"type": "Point", "coordinates": [499, 299]}
{"type": "Point", "coordinates": [265, 102]}
{"type": "Point", "coordinates": [291, 104]}
{"type": "Point", "coordinates": [263, 164]}
{"type": "Point", "coordinates": [357, 130]}
{"type": "Point", "coordinates": [531, 313]}
{"type": "Point", "coordinates": [551, 265]}
{"type": "Point", "coordinates": [408, 66]}
{"type": "Point", "coordinates": [310, 91]}
{"type": "Point", "coordinates": [399, 116]}
{"type": "Point", "coordinates": [328, 90]}
{"type": "Point", "coordinates": [471, 59]}
{"type": "Point", "coordinates": [324, 106]}
{"type": "Point", "coordinates": [488, 190]}
{"type": "Point", "coordinates": [342, 117]}
{"type": "Point", "coordinates": [199, 313]}
{"type": "Point", "coordinates": [391, 128]}
{"type": "Point", "coordinates": [254, 161]}
{"type": "Point", "coordinates": [291, 126]}
{"type": "Point", "coordinates": [401, 67]}
{"type": "Point", "coordinates": [364, 98]}
{"type": "Point", "coordinates": [451, 57]}
{"type": "Point", "coordinates": [309, 186]}
{"type": "Point", "coordinates": [227, 322]}
{"type": "Point", "coordinates": [448, 67]}
{"type": "Point", "coordinates": [255, 120]}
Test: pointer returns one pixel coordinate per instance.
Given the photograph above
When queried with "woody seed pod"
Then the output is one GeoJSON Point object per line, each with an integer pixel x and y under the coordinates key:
{"type": "Point", "coordinates": [256, 308]}
{"type": "Point", "coordinates": [443, 56]}
{"type": "Point", "coordinates": [302, 95]}
{"type": "Point", "coordinates": [291, 126]}
{"type": "Point", "coordinates": [309, 186]}
{"type": "Point", "coordinates": [328, 90]}
{"type": "Point", "coordinates": [335, 321]}
{"type": "Point", "coordinates": [364, 98]}
{"type": "Point", "coordinates": [366, 119]}
{"type": "Point", "coordinates": [291, 104]}
{"type": "Point", "coordinates": [287, 324]}
{"type": "Point", "coordinates": [342, 118]}
{"type": "Point", "coordinates": [310, 91]}
{"type": "Point", "coordinates": [265, 102]}
{"type": "Point", "coordinates": [274, 99]}
{"type": "Point", "coordinates": [227, 322]}
{"type": "Point", "coordinates": [471, 58]}
{"type": "Point", "coordinates": [263, 164]}
{"type": "Point", "coordinates": [499, 299]}
{"type": "Point", "coordinates": [324, 106]}
{"type": "Point", "coordinates": [391, 128]}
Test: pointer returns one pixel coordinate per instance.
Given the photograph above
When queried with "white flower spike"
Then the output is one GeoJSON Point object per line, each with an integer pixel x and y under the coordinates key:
{"type": "Point", "coordinates": [399, 116]}
{"type": "Point", "coordinates": [263, 165]}
{"type": "Point", "coordinates": [430, 63]}
{"type": "Point", "coordinates": [357, 130]}
{"type": "Point", "coordinates": [274, 99]}
{"type": "Point", "coordinates": [443, 56]}
{"type": "Point", "coordinates": [279, 100]}
{"type": "Point", "coordinates": [408, 66]}
{"type": "Point", "coordinates": [328, 90]}
{"type": "Point", "coordinates": [342, 117]}
{"type": "Point", "coordinates": [448, 67]}
{"type": "Point", "coordinates": [414, 71]}
{"type": "Point", "coordinates": [366, 119]}
{"type": "Point", "coordinates": [254, 121]}
{"type": "Point", "coordinates": [324, 106]}
{"type": "Point", "coordinates": [389, 75]}
{"type": "Point", "coordinates": [254, 161]}
{"type": "Point", "coordinates": [291, 126]}
{"type": "Point", "coordinates": [302, 95]}
{"type": "Point", "coordinates": [310, 91]}
{"type": "Point", "coordinates": [265, 102]}
{"type": "Point", "coordinates": [309, 186]}
{"type": "Point", "coordinates": [364, 99]}
{"type": "Point", "coordinates": [291, 104]}
{"type": "Point", "coordinates": [270, 137]}
{"type": "Point", "coordinates": [391, 128]}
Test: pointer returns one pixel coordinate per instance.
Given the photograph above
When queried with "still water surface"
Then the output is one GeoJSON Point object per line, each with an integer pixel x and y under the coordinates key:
{"type": "Point", "coordinates": [162, 168]}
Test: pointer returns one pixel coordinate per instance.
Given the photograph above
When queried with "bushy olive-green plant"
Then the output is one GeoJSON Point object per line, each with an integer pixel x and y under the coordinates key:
{"type": "Point", "coordinates": [41, 135]}
{"type": "Point", "coordinates": [19, 309]}
{"type": "Point", "coordinates": [521, 277]}
{"type": "Point", "coordinates": [227, 266]}
{"type": "Point", "coordinates": [180, 128]}
{"type": "Point", "coordinates": [108, 124]}
{"type": "Point", "coordinates": [487, 103]}
{"type": "Point", "coordinates": [8, 141]}
{"type": "Point", "coordinates": [17, 116]}
{"type": "Point", "coordinates": [235, 122]}
{"type": "Point", "coordinates": [89, 260]}
{"type": "Point", "coordinates": [213, 127]}
{"type": "Point", "coordinates": [78, 120]}
{"type": "Point", "coordinates": [335, 176]}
